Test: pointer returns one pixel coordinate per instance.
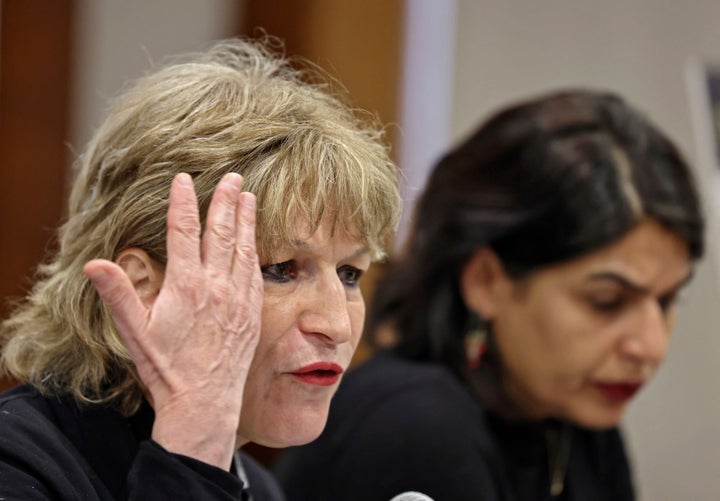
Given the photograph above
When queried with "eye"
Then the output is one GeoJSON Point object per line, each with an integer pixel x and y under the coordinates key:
{"type": "Point", "coordinates": [280, 272]}
{"type": "Point", "coordinates": [607, 306]}
{"type": "Point", "coordinates": [667, 301]}
{"type": "Point", "coordinates": [607, 303]}
{"type": "Point", "coordinates": [350, 275]}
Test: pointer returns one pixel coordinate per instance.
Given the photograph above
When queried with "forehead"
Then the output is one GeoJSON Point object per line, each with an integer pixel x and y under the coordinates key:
{"type": "Point", "coordinates": [326, 237]}
{"type": "Point", "coordinates": [649, 255]}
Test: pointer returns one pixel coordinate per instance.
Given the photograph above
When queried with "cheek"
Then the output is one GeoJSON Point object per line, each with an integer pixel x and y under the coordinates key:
{"type": "Point", "coordinates": [356, 314]}
{"type": "Point", "coordinates": [671, 320]}
{"type": "Point", "coordinates": [557, 339]}
{"type": "Point", "coordinates": [279, 314]}
{"type": "Point", "coordinates": [278, 318]}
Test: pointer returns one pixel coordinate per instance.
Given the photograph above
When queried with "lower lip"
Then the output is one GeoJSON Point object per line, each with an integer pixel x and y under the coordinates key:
{"type": "Point", "coordinates": [618, 392]}
{"type": "Point", "coordinates": [318, 378]}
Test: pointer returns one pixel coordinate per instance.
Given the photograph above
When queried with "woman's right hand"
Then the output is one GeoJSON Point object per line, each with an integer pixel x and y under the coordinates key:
{"type": "Point", "coordinates": [193, 347]}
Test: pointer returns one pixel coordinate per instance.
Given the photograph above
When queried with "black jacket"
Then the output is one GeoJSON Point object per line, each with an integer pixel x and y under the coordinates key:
{"type": "Point", "coordinates": [51, 449]}
{"type": "Point", "coordinates": [398, 426]}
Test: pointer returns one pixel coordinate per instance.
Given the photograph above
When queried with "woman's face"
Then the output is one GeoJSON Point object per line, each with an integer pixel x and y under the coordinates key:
{"type": "Point", "coordinates": [313, 314]}
{"type": "Point", "coordinates": [577, 340]}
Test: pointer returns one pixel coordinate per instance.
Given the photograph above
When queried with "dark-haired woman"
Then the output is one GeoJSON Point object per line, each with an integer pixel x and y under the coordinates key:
{"type": "Point", "coordinates": [535, 298]}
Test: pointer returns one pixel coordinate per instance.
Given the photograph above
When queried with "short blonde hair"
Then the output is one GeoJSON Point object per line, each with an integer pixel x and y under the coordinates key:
{"type": "Point", "coordinates": [239, 107]}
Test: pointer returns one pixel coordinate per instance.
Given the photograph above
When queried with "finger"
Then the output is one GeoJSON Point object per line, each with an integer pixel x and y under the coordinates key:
{"type": "Point", "coordinates": [118, 294]}
{"type": "Point", "coordinates": [245, 259]}
{"type": "Point", "coordinates": [218, 241]}
{"type": "Point", "coordinates": [183, 227]}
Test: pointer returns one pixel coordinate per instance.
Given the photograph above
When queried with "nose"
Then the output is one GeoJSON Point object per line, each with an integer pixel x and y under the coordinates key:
{"type": "Point", "coordinates": [325, 312]}
{"type": "Point", "coordinates": [650, 337]}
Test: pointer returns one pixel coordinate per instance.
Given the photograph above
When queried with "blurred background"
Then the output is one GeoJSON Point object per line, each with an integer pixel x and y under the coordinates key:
{"type": "Point", "coordinates": [431, 70]}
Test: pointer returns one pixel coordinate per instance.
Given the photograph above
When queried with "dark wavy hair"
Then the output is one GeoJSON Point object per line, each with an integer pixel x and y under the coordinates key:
{"type": "Point", "coordinates": [540, 182]}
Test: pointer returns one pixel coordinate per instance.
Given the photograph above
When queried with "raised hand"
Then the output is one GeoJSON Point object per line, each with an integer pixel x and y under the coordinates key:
{"type": "Point", "coordinates": [194, 346]}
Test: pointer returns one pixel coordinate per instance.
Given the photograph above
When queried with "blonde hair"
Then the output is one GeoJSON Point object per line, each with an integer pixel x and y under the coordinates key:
{"type": "Point", "coordinates": [239, 107]}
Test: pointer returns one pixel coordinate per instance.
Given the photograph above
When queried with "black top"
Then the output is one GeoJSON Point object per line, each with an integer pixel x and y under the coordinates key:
{"type": "Point", "coordinates": [51, 449]}
{"type": "Point", "coordinates": [398, 426]}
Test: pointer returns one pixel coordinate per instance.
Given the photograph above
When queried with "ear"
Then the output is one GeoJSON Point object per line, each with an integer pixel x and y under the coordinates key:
{"type": "Point", "coordinates": [145, 273]}
{"type": "Point", "coordinates": [483, 282]}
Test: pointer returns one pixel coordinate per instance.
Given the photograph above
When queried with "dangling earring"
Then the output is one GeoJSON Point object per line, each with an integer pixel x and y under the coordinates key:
{"type": "Point", "coordinates": [475, 341]}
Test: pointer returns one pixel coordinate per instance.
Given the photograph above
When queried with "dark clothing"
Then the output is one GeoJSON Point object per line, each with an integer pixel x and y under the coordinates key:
{"type": "Point", "coordinates": [51, 449]}
{"type": "Point", "coordinates": [398, 426]}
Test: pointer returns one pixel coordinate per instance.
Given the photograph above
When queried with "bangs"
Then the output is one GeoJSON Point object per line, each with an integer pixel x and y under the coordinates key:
{"type": "Point", "coordinates": [314, 178]}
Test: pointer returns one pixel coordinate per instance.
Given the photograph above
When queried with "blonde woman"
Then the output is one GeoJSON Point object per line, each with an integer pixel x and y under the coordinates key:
{"type": "Point", "coordinates": [205, 291]}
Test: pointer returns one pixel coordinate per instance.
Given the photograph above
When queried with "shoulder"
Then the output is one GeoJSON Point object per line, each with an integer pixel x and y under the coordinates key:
{"type": "Point", "coordinates": [402, 424]}
{"type": "Point", "coordinates": [35, 456]}
{"type": "Point", "coordinates": [403, 400]}
{"type": "Point", "coordinates": [598, 459]}
{"type": "Point", "coordinates": [21, 395]}
{"type": "Point", "coordinates": [600, 445]}
{"type": "Point", "coordinates": [387, 382]}
{"type": "Point", "coordinates": [24, 413]}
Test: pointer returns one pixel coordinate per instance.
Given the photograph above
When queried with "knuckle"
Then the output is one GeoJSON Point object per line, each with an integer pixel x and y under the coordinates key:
{"type": "Point", "coordinates": [185, 225]}
{"type": "Point", "coordinates": [222, 233]}
{"type": "Point", "coordinates": [246, 253]}
{"type": "Point", "coordinates": [113, 296]}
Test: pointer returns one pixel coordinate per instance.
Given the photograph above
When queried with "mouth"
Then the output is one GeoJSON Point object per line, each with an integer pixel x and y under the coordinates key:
{"type": "Point", "coordinates": [319, 373]}
{"type": "Point", "coordinates": [618, 392]}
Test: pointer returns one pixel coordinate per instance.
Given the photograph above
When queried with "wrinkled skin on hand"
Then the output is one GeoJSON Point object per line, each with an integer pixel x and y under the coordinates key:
{"type": "Point", "coordinates": [193, 347]}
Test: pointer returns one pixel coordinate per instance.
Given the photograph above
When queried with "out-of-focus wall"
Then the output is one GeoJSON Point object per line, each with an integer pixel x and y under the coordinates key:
{"type": "Point", "coordinates": [34, 90]}
{"type": "Point", "coordinates": [510, 49]}
{"type": "Point", "coordinates": [116, 41]}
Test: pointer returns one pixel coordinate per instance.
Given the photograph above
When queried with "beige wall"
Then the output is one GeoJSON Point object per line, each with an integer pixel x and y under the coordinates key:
{"type": "Point", "coordinates": [119, 40]}
{"type": "Point", "coordinates": [508, 49]}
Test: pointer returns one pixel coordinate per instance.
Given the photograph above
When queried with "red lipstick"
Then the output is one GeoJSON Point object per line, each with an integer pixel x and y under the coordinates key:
{"type": "Point", "coordinates": [319, 373]}
{"type": "Point", "coordinates": [618, 392]}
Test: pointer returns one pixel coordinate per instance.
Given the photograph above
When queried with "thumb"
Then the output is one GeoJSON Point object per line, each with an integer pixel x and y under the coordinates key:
{"type": "Point", "coordinates": [117, 292]}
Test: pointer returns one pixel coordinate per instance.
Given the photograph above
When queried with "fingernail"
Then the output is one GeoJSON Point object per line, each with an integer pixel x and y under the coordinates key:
{"type": "Point", "coordinates": [98, 276]}
{"type": "Point", "coordinates": [234, 178]}
{"type": "Point", "coordinates": [184, 179]}
{"type": "Point", "coordinates": [248, 202]}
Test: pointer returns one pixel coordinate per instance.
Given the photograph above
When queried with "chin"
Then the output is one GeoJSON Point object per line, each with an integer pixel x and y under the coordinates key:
{"type": "Point", "coordinates": [602, 418]}
{"type": "Point", "coordinates": [300, 429]}
{"type": "Point", "coordinates": [301, 437]}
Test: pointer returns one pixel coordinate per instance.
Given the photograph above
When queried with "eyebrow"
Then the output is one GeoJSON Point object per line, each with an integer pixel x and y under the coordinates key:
{"type": "Point", "coordinates": [301, 244]}
{"type": "Point", "coordinates": [636, 288]}
{"type": "Point", "coordinates": [358, 253]}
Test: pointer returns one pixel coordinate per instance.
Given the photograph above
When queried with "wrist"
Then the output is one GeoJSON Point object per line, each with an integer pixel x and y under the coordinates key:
{"type": "Point", "coordinates": [207, 435]}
